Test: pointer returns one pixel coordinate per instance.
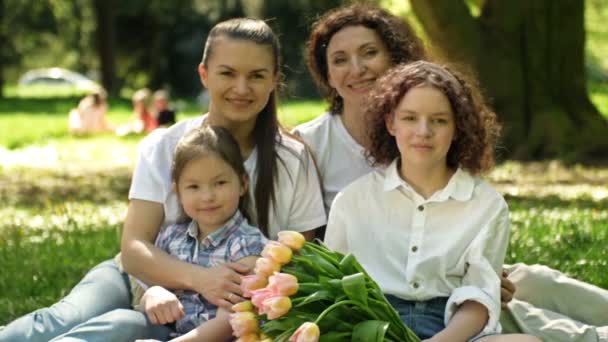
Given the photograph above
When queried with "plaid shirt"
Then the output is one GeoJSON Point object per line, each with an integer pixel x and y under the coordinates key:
{"type": "Point", "coordinates": [236, 240]}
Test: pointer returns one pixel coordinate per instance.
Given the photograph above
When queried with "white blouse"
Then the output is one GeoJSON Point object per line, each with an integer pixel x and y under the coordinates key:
{"type": "Point", "coordinates": [450, 245]}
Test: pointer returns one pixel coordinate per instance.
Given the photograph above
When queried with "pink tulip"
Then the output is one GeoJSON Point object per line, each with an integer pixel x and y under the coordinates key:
{"type": "Point", "coordinates": [259, 296]}
{"type": "Point", "coordinates": [252, 282]}
{"type": "Point", "coordinates": [243, 306]}
{"type": "Point", "coordinates": [275, 307]}
{"type": "Point", "coordinates": [249, 338]}
{"type": "Point", "coordinates": [291, 239]}
{"type": "Point", "coordinates": [266, 267]}
{"type": "Point", "coordinates": [243, 323]}
{"type": "Point", "coordinates": [283, 284]}
{"type": "Point", "coordinates": [278, 252]}
{"type": "Point", "coordinates": [307, 332]}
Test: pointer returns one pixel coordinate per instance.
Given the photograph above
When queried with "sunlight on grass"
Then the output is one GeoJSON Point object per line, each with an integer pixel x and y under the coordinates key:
{"type": "Point", "coordinates": [295, 113]}
{"type": "Point", "coordinates": [93, 152]}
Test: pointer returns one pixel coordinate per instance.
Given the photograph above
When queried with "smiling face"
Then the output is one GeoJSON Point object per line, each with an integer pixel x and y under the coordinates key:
{"type": "Point", "coordinates": [423, 126]}
{"type": "Point", "coordinates": [209, 191]}
{"type": "Point", "coordinates": [356, 57]}
{"type": "Point", "coordinates": [240, 76]}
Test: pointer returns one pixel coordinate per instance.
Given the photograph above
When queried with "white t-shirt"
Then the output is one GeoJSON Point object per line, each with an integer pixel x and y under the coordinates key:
{"type": "Point", "coordinates": [450, 245]}
{"type": "Point", "coordinates": [299, 203]}
{"type": "Point", "coordinates": [339, 157]}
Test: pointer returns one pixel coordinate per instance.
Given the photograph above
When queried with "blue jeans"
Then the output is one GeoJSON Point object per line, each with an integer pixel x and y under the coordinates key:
{"type": "Point", "coordinates": [97, 309]}
{"type": "Point", "coordinates": [425, 318]}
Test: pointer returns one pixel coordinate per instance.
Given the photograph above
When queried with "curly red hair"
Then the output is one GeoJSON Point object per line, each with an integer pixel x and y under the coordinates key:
{"type": "Point", "coordinates": [476, 126]}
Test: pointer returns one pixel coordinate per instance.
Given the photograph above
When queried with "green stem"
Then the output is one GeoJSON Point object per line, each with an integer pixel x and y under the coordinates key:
{"type": "Point", "coordinates": [344, 302]}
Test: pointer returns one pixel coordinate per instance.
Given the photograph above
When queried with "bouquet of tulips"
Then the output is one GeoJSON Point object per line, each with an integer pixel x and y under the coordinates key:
{"type": "Point", "coordinates": [302, 291]}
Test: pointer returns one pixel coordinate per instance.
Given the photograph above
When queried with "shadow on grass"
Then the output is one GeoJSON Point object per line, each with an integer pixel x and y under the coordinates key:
{"type": "Point", "coordinates": [554, 201]}
{"type": "Point", "coordinates": [39, 188]}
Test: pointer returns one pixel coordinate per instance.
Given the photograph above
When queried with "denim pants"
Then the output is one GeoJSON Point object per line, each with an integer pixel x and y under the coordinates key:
{"type": "Point", "coordinates": [425, 318]}
{"type": "Point", "coordinates": [97, 309]}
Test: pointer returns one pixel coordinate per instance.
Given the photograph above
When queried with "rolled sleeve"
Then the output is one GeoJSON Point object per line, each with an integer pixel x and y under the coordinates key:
{"type": "Point", "coordinates": [481, 282]}
{"type": "Point", "coordinates": [488, 296]}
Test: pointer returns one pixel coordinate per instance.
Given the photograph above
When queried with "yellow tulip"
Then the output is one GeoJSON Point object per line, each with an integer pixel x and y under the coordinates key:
{"type": "Point", "coordinates": [278, 252]}
{"type": "Point", "coordinates": [307, 332]}
{"type": "Point", "coordinates": [291, 239]}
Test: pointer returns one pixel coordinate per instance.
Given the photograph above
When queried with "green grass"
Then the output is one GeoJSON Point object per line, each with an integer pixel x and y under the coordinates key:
{"type": "Point", "coordinates": [64, 199]}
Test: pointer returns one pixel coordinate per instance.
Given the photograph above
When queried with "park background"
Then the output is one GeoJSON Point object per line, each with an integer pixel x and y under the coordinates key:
{"type": "Point", "coordinates": [543, 64]}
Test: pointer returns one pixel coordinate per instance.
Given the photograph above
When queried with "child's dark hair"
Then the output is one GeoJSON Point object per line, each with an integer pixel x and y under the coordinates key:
{"type": "Point", "coordinates": [397, 35]}
{"type": "Point", "coordinates": [476, 127]}
{"type": "Point", "coordinates": [210, 140]}
{"type": "Point", "coordinates": [266, 131]}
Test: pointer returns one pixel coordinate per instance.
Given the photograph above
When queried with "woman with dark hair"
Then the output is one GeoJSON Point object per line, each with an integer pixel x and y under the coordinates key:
{"type": "Point", "coordinates": [240, 69]}
{"type": "Point", "coordinates": [348, 49]}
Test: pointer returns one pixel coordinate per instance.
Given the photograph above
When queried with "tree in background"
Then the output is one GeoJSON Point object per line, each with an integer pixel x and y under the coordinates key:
{"type": "Point", "coordinates": [529, 56]}
{"type": "Point", "coordinates": [104, 14]}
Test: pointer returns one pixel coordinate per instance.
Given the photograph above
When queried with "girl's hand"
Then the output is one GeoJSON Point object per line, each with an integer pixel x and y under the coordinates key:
{"type": "Point", "coordinates": [507, 289]}
{"type": "Point", "coordinates": [220, 285]}
{"type": "Point", "coordinates": [161, 305]}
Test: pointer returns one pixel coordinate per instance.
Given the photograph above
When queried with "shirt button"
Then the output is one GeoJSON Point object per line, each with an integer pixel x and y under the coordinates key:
{"type": "Point", "coordinates": [415, 285]}
{"type": "Point", "coordinates": [414, 248]}
{"type": "Point", "coordinates": [420, 207]}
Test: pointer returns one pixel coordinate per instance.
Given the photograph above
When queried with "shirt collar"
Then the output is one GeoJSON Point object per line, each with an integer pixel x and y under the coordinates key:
{"type": "Point", "coordinates": [460, 187]}
{"type": "Point", "coordinates": [216, 238]}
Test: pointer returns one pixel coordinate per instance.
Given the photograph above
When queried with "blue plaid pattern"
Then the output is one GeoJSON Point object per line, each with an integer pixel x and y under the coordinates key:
{"type": "Point", "coordinates": [236, 240]}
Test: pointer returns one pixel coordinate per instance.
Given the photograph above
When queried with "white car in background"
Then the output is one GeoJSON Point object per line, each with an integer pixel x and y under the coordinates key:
{"type": "Point", "coordinates": [57, 77]}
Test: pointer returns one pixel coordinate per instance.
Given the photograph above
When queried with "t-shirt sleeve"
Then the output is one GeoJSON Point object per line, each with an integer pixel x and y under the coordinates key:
{"type": "Point", "coordinates": [307, 210]}
{"type": "Point", "coordinates": [152, 175]}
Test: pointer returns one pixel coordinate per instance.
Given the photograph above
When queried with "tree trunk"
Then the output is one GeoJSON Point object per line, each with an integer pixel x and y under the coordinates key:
{"type": "Point", "coordinates": [4, 46]}
{"type": "Point", "coordinates": [105, 43]}
{"type": "Point", "coordinates": [529, 56]}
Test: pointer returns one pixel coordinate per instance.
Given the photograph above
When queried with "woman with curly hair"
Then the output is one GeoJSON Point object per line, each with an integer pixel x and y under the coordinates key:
{"type": "Point", "coordinates": [443, 230]}
{"type": "Point", "coordinates": [349, 47]}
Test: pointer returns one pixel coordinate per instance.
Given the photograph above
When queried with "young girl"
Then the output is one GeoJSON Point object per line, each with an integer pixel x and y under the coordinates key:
{"type": "Point", "coordinates": [211, 185]}
{"type": "Point", "coordinates": [443, 232]}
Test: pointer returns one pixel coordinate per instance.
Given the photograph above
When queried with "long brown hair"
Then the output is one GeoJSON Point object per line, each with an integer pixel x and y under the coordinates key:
{"type": "Point", "coordinates": [266, 131]}
{"type": "Point", "coordinates": [214, 140]}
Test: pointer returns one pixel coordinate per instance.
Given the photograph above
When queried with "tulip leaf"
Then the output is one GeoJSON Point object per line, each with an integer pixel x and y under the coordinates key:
{"type": "Point", "coordinates": [315, 297]}
{"type": "Point", "coordinates": [354, 287]}
{"type": "Point", "coordinates": [370, 331]}
{"type": "Point", "coordinates": [347, 264]}
{"type": "Point", "coordinates": [308, 288]}
{"type": "Point", "coordinates": [302, 276]}
{"type": "Point", "coordinates": [334, 336]}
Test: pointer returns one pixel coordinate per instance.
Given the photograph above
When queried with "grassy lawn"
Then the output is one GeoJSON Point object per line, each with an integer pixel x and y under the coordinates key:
{"type": "Point", "coordinates": [64, 199]}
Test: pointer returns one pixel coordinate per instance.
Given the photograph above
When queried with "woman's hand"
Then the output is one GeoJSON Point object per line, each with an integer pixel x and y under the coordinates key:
{"type": "Point", "coordinates": [507, 289]}
{"type": "Point", "coordinates": [161, 305]}
{"type": "Point", "coordinates": [220, 285]}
